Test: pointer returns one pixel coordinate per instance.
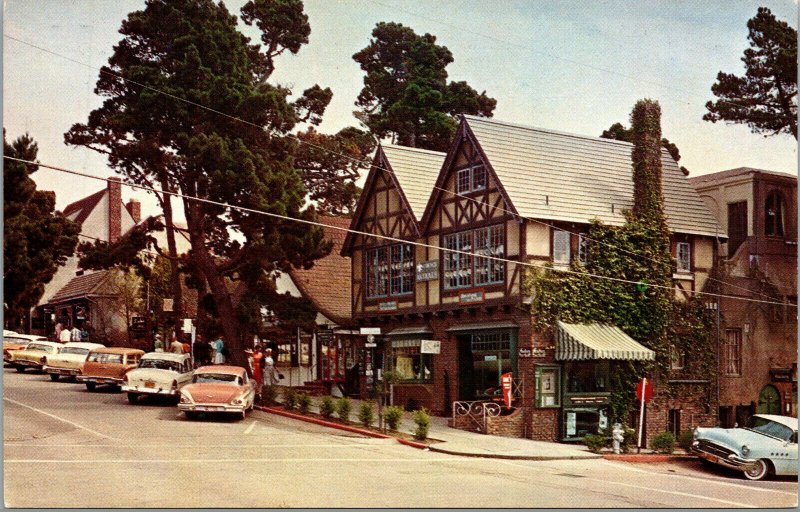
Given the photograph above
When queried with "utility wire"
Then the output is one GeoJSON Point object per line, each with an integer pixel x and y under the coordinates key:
{"type": "Point", "coordinates": [366, 163]}
{"type": "Point", "coordinates": [384, 237]}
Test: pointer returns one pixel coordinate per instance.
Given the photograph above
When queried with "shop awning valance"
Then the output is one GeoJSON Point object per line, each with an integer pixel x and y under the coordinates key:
{"type": "Point", "coordinates": [484, 326]}
{"type": "Point", "coordinates": [409, 331]}
{"type": "Point", "coordinates": [583, 342]}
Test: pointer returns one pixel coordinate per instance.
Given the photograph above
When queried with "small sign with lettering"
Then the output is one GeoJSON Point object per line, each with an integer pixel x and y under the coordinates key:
{"type": "Point", "coordinates": [538, 352]}
{"type": "Point", "coordinates": [427, 270]}
{"type": "Point", "coordinates": [369, 330]}
{"type": "Point", "coordinates": [524, 352]}
{"type": "Point", "coordinates": [490, 358]}
{"type": "Point", "coordinates": [388, 306]}
{"type": "Point", "coordinates": [471, 297]}
{"type": "Point", "coordinates": [430, 347]}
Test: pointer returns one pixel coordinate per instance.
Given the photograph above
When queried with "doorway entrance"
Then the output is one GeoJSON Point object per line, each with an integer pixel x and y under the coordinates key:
{"type": "Point", "coordinates": [769, 400]}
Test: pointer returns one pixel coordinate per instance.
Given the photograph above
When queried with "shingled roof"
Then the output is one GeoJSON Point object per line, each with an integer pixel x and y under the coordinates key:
{"type": "Point", "coordinates": [416, 171]}
{"type": "Point", "coordinates": [560, 176]}
{"type": "Point", "coordinates": [327, 283]}
{"type": "Point", "coordinates": [80, 286]}
{"type": "Point", "coordinates": [84, 206]}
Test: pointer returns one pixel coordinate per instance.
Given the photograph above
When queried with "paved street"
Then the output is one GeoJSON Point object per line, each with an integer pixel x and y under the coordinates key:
{"type": "Point", "coordinates": [66, 447]}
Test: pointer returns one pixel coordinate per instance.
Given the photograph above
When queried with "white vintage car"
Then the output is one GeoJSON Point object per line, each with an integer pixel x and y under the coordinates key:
{"type": "Point", "coordinates": [69, 360]}
{"type": "Point", "coordinates": [159, 373]}
{"type": "Point", "coordinates": [766, 445]}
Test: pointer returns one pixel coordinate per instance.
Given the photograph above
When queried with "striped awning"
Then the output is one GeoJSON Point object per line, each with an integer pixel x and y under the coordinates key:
{"type": "Point", "coordinates": [582, 342]}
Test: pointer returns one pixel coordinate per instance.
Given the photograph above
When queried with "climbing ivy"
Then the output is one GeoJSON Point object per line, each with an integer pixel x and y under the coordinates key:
{"type": "Point", "coordinates": [637, 252]}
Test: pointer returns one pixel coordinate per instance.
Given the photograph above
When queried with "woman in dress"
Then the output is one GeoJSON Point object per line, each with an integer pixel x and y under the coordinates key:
{"type": "Point", "coordinates": [219, 345]}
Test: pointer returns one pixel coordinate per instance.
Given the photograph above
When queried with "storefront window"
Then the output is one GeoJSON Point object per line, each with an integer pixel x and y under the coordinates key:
{"type": "Point", "coordinates": [491, 353]}
{"type": "Point", "coordinates": [410, 364]}
{"type": "Point", "coordinates": [589, 377]}
{"type": "Point", "coordinates": [548, 389]}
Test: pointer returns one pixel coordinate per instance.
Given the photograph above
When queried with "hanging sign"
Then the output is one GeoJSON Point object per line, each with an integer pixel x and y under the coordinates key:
{"type": "Point", "coordinates": [506, 381]}
{"type": "Point", "coordinates": [387, 306]}
{"type": "Point", "coordinates": [369, 330]}
{"type": "Point", "coordinates": [427, 270]}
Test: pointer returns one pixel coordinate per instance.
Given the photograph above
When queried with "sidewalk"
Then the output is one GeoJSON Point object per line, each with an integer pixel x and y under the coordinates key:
{"type": "Point", "coordinates": [473, 444]}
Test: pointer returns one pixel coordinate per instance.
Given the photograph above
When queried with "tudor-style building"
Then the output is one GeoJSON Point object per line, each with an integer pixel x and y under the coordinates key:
{"type": "Point", "coordinates": [503, 198]}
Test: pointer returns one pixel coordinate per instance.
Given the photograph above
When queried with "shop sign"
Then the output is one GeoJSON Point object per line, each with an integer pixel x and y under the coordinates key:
{"type": "Point", "coordinates": [427, 270]}
{"type": "Point", "coordinates": [187, 325]}
{"type": "Point", "coordinates": [471, 297]}
{"type": "Point", "coordinates": [490, 358]}
{"type": "Point", "coordinates": [586, 400]}
{"type": "Point", "coordinates": [780, 374]}
{"type": "Point", "coordinates": [524, 352]}
{"type": "Point", "coordinates": [388, 306]}
{"type": "Point", "coordinates": [369, 330]}
{"type": "Point", "coordinates": [430, 347]}
{"type": "Point", "coordinates": [168, 304]}
{"type": "Point", "coordinates": [370, 345]}
{"type": "Point", "coordinates": [538, 352]}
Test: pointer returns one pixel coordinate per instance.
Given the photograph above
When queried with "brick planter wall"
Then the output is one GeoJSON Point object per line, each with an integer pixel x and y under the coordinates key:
{"type": "Point", "coordinates": [511, 425]}
{"type": "Point", "coordinates": [543, 424]}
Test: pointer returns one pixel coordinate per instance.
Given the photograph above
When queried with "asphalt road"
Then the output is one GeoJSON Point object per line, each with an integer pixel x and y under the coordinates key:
{"type": "Point", "coordinates": [67, 447]}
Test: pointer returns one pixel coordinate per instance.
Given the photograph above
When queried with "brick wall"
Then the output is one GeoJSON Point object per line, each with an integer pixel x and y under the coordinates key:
{"type": "Point", "coordinates": [510, 425]}
{"type": "Point", "coordinates": [134, 207]}
{"type": "Point", "coordinates": [543, 424]}
{"type": "Point", "coordinates": [696, 402]}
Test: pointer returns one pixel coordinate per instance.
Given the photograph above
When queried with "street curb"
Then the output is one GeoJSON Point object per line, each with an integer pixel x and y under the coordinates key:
{"type": "Point", "coordinates": [647, 457]}
{"type": "Point", "coordinates": [324, 423]}
{"type": "Point", "coordinates": [513, 457]}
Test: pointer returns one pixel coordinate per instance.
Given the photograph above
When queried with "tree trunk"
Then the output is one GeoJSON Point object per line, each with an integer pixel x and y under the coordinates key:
{"type": "Point", "coordinates": [177, 292]}
{"type": "Point", "coordinates": [216, 282]}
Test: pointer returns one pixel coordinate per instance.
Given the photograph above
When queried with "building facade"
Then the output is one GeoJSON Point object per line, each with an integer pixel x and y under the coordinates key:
{"type": "Point", "coordinates": [758, 341]}
{"type": "Point", "coordinates": [441, 273]}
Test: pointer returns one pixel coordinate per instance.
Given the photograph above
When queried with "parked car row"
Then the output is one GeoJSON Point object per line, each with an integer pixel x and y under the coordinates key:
{"type": "Point", "coordinates": [217, 388]}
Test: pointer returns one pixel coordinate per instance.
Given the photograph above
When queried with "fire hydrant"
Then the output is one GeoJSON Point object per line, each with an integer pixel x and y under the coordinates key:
{"type": "Point", "coordinates": [617, 436]}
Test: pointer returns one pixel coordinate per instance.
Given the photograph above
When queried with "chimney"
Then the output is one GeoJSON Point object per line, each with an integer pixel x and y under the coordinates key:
{"type": "Point", "coordinates": [114, 209]}
{"type": "Point", "coordinates": [134, 207]}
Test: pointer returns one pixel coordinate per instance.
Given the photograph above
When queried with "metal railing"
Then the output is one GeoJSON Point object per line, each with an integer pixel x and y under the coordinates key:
{"type": "Point", "coordinates": [477, 412]}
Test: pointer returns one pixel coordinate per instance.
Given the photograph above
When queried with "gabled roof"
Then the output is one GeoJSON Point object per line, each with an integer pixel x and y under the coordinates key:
{"type": "Point", "coordinates": [80, 286]}
{"type": "Point", "coordinates": [416, 170]}
{"type": "Point", "coordinates": [413, 172]}
{"type": "Point", "coordinates": [552, 175]}
{"type": "Point", "coordinates": [327, 284]}
{"type": "Point", "coordinates": [84, 206]}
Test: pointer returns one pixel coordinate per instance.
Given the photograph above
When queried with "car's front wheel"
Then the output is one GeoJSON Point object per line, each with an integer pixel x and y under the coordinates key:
{"type": "Point", "coordinates": [20, 368]}
{"type": "Point", "coordinates": [757, 471]}
{"type": "Point", "coordinates": [133, 398]}
{"type": "Point", "coordinates": [91, 385]}
{"type": "Point", "coordinates": [54, 377]}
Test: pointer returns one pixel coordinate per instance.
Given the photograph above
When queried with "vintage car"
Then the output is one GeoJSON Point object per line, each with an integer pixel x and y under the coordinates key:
{"type": "Point", "coordinates": [767, 445]}
{"type": "Point", "coordinates": [218, 388]}
{"type": "Point", "coordinates": [34, 355]}
{"type": "Point", "coordinates": [108, 365]}
{"type": "Point", "coordinates": [69, 360]}
{"type": "Point", "coordinates": [15, 341]}
{"type": "Point", "coordinates": [159, 373]}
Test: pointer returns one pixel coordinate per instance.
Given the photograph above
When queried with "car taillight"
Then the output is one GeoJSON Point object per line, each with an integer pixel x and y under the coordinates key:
{"type": "Point", "coordinates": [125, 378]}
{"type": "Point", "coordinates": [174, 385]}
{"type": "Point", "coordinates": [43, 360]}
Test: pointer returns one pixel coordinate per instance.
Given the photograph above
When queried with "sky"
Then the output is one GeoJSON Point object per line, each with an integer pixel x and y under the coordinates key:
{"type": "Point", "coordinates": [568, 65]}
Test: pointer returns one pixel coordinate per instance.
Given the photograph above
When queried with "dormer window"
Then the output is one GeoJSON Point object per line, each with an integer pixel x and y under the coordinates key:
{"type": "Point", "coordinates": [471, 179]}
{"type": "Point", "coordinates": [684, 256]}
{"type": "Point", "coordinates": [774, 211]}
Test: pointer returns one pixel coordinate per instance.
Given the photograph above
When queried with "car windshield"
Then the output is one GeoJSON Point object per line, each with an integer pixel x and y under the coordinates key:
{"type": "Point", "coordinates": [160, 364]}
{"type": "Point", "coordinates": [43, 348]}
{"type": "Point", "coordinates": [217, 378]}
{"type": "Point", "coordinates": [770, 428]}
{"type": "Point", "coordinates": [75, 350]}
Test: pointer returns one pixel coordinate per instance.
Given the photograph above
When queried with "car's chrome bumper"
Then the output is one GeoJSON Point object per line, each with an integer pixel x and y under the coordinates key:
{"type": "Point", "coordinates": [99, 380]}
{"type": "Point", "coordinates": [24, 362]}
{"type": "Point", "coordinates": [61, 371]}
{"type": "Point", "coordinates": [150, 391]}
{"type": "Point", "coordinates": [732, 461]}
{"type": "Point", "coordinates": [211, 408]}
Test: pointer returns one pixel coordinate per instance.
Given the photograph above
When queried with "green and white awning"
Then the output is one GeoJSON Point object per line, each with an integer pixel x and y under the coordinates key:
{"type": "Point", "coordinates": [584, 342]}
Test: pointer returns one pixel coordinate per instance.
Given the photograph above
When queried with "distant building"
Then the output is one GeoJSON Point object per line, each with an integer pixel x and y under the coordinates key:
{"type": "Point", "coordinates": [757, 209]}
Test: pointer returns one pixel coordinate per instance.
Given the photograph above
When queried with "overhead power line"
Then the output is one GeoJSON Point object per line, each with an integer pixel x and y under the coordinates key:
{"type": "Point", "coordinates": [365, 163]}
{"type": "Point", "coordinates": [389, 238]}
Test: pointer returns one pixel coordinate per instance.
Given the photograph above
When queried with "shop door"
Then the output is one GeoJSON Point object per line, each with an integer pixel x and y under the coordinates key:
{"type": "Point", "coordinates": [466, 383]}
{"type": "Point", "coordinates": [769, 401]}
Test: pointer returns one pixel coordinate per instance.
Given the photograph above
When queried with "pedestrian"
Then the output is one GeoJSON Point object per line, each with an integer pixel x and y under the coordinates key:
{"type": "Point", "coordinates": [176, 346]}
{"type": "Point", "coordinates": [201, 349]}
{"type": "Point", "coordinates": [270, 375]}
{"type": "Point", "coordinates": [159, 343]}
{"type": "Point", "coordinates": [187, 349]}
{"type": "Point", "coordinates": [65, 335]}
{"type": "Point", "coordinates": [75, 334]}
{"type": "Point", "coordinates": [219, 346]}
{"type": "Point", "coordinates": [258, 368]}
{"type": "Point", "coordinates": [59, 328]}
